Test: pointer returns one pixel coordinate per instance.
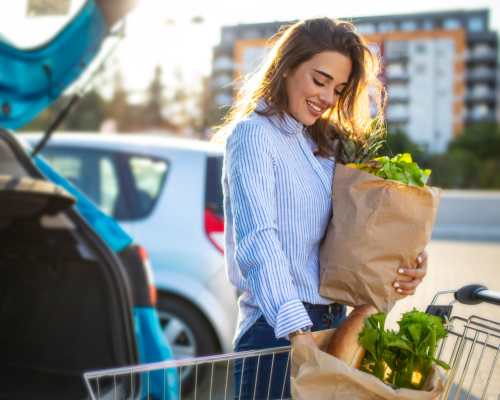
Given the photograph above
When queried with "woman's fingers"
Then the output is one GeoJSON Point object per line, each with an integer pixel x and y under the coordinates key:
{"type": "Point", "coordinates": [407, 285]}
{"type": "Point", "coordinates": [422, 261]}
{"type": "Point", "coordinates": [403, 292]}
{"type": "Point", "coordinates": [411, 277]}
{"type": "Point", "coordinates": [414, 273]}
{"type": "Point", "coordinates": [406, 288]}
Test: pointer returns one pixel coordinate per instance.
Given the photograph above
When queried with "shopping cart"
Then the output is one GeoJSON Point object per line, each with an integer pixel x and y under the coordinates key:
{"type": "Point", "coordinates": [471, 348]}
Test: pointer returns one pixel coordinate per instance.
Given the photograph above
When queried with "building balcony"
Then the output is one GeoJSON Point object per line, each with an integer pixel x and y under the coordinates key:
{"type": "Point", "coordinates": [398, 97]}
{"type": "Point", "coordinates": [474, 119]}
{"type": "Point", "coordinates": [481, 56]}
{"type": "Point", "coordinates": [396, 117]}
{"type": "Point", "coordinates": [482, 37]}
{"type": "Point", "coordinates": [222, 63]}
{"type": "Point", "coordinates": [485, 75]}
{"type": "Point", "coordinates": [483, 97]}
{"type": "Point", "coordinates": [393, 76]}
{"type": "Point", "coordinates": [396, 55]}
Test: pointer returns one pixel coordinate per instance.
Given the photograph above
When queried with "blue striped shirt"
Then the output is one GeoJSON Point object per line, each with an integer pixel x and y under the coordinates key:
{"type": "Point", "coordinates": [277, 204]}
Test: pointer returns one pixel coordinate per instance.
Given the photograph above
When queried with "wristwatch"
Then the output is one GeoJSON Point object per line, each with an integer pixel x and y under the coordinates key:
{"type": "Point", "coordinates": [301, 331]}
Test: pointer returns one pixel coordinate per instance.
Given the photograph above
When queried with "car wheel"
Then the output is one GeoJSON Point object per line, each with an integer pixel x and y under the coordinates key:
{"type": "Point", "coordinates": [189, 335]}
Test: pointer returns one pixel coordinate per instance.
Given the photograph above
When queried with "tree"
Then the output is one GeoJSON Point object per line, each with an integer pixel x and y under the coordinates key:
{"type": "Point", "coordinates": [88, 114]}
{"type": "Point", "coordinates": [482, 140]}
{"type": "Point", "coordinates": [458, 169]}
{"type": "Point", "coordinates": [482, 143]}
{"type": "Point", "coordinates": [118, 107]}
{"type": "Point", "coordinates": [472, 159]}
{"type": "Point", "coordinates": [398, 142]}
{"type": "Point", "coordinates": [153, 109]}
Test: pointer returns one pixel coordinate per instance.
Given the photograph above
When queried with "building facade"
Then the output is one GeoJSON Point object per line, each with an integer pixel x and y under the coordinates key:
{"type": "Point", "coordinates": [439, 68]}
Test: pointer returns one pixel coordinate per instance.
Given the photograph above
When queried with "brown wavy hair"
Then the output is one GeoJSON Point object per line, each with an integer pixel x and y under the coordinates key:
{"type": "Point", "coordinates": [361, 103]}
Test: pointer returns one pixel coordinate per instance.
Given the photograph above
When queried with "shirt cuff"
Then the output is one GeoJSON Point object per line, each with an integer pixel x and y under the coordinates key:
{"type": "Point", "coordinates": [291, 317]}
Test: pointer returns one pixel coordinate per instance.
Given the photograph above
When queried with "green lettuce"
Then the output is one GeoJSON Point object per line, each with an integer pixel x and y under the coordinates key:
{"type": "Point", "coordinates": [399, 168]}
{"type": "Point", "coordinates": [395, 357]}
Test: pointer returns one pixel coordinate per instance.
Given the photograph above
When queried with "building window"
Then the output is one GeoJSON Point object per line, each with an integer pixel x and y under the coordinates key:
{"type": "Point", "coordinates": [396, 49]}
{"type": "Point", "coordinates": [397, 112]}
{"type": "Point", "coordinates": [223, 99]}
{"type": "Point", "coordinates": [475, 24]}
{"type": "Point", "coordinates": [251, 34]}
{"type": "Point", "coordinates": [365, 29]}
{"type": "Point", "coordinates": [222, 81]}
{"type": "Point", "coordinates": [480, 111]}
{"type": "Point", "coordinates": [223, 63]}
{"type": "Point", "coordinates": [228, 37]}
{"type": "Point", "coordinates": [420, 48]}
{"type": "Point", "coordinates": [397, 91]}
{"type": "Point", "coordinates": [428, 25]}
{"type": "Point", "coordinates": [387, 27]}
{"type": "Point", "coordinates": [480, 90]}
{"type": "Point", "coordinates": [482, 50]}
{"type": "Point", "coordinates": [409, 26]}
{"type": "Point", "coordinates": [451, 24]}
{"type": "Point", "coordinates": [395, 70]}
{"type": "Point", "coordinates": [420, 69]}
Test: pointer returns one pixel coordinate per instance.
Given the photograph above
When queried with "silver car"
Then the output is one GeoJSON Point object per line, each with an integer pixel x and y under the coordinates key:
{"type": "Point", "coordinates": [167, 193]}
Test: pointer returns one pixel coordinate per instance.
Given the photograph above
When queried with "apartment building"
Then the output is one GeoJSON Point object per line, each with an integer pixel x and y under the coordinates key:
{"type": "Point", "coordinates": [440, 69]}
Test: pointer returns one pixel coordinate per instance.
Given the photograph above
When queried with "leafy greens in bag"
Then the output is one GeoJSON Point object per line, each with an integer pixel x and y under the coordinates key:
{"type": "Point", "coordinates": [404, 358]}
{"type": "Point", "coordinates": [362, 153]}
{"type": "Point", "coordinates": [399, 168]}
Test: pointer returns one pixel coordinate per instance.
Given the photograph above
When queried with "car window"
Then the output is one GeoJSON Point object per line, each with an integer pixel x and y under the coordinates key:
{"type": "Point", "coordinates": [125, 186]}
{"type": "Point", "coordinates": [213, 186]}
{"type": "Point", "coordinates": [68, 166]}
{"type": "Point", "coordinates": [95, 173]}
{"type": "Point", "coordinates": [109, 185]}
{"type": "Point", "coordinates": [148, 176]}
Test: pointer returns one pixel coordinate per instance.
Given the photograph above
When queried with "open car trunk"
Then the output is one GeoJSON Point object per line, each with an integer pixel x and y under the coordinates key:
{"type": "Point", "coordinates": [65, 303]}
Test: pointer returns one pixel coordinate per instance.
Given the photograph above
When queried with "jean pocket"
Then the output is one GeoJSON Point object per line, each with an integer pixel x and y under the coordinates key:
{"type": "Point", "coordinates": [260, 335]}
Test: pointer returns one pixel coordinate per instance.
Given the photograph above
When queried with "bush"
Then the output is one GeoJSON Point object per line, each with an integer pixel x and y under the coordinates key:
{"type": "Point", "coordinates": [489, 174]}
{"type": "Point", "coordinates": [455, 169]}
{"type": "Point", "coordinates": [483, 140]}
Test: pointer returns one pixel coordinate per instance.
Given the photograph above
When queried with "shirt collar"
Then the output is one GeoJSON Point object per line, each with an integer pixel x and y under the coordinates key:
{"type": "Point", "coordinates": [284, 122]}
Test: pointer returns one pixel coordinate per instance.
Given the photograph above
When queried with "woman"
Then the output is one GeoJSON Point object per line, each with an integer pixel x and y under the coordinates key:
{"type": "Point", "coordinates": [278, 170]}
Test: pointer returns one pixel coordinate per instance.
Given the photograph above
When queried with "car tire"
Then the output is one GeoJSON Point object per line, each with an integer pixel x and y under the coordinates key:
{"type": "Point", "coordinates": [189, 334]}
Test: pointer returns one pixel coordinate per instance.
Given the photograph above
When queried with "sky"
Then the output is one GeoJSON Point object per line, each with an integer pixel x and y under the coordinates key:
{"type": "Point", "coordinates": [161, 32]}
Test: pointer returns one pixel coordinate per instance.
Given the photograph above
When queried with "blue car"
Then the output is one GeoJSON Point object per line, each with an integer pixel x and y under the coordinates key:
{"type": "Point", "coordinates": [76, 292]}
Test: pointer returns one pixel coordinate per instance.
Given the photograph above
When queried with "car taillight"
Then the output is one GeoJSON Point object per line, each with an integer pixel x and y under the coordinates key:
{"type": "Point", "coordinates": [143, 254]}
{"type": "Point", "coordinates": [214, 227]}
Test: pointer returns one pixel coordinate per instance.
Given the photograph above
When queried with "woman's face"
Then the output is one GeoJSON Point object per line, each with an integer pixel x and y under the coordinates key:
{"type": "Point", "coordinates": [315, 85]}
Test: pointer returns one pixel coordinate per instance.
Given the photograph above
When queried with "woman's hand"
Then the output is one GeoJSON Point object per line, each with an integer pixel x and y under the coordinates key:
{"type": "Point", "coordinates": [304, 340]}
{"type": "Point", "coordinates": [411, 277]}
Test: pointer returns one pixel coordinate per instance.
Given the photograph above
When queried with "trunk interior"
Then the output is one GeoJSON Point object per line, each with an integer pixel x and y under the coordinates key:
{"type": "Point", "coordinates": [64, 307]}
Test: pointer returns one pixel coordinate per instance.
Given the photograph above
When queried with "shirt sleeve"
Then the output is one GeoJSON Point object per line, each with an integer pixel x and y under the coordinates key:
{"type": "Point", "coordinates": [259, 253]}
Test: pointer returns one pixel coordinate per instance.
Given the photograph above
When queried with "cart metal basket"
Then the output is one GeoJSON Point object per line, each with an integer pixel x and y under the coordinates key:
{"type": "Point", "coordinates": [471, 348]}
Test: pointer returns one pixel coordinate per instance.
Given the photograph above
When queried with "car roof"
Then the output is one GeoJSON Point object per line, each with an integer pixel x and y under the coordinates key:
{"type": "Point", "coordinates": [126, 141]}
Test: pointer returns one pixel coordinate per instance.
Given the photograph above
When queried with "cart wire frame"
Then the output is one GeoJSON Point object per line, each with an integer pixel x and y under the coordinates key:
{"type": "Point", "coordinates": [471, 348]}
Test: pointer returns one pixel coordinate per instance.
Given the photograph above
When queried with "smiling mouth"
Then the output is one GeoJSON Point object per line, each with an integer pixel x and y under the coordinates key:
{"type": "Point", "coordinates": [314, 109]}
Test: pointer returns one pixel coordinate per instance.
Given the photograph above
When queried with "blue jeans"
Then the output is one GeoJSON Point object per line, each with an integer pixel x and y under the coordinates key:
{"type": "Point", "coordinates": [274, 383]}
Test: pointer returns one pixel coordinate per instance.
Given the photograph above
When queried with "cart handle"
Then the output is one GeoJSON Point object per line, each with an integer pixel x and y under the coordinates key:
{"type": "Point", "coordinates": [475, 294]}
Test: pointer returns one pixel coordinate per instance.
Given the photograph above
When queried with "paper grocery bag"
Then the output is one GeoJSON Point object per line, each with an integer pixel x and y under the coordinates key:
{"type": "Point", "coordinates": [318, 375]}
{"type": "Point", "coordinates": [377, 226]}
